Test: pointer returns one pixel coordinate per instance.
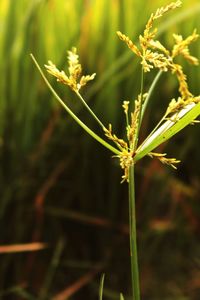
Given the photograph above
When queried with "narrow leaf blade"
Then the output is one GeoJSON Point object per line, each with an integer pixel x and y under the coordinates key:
{"type": "Point", "coordinates": [101, 287]}
{"type": "Point", "coordinates": [168, 129]}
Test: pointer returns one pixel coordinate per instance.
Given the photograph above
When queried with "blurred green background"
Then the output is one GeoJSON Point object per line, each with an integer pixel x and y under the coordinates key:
{"type": "Point", "coordinates": [59, 187]}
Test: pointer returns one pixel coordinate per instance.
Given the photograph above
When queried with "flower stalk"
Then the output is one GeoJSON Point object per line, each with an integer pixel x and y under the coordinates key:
{"type": "Point", "coordinates": [135, 282]}
{"type": "Point", "coordinates": [76, 119]}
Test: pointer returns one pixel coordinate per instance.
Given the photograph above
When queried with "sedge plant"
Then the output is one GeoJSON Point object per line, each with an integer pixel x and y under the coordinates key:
{"type": "Point", "coordinates": [180, 112]}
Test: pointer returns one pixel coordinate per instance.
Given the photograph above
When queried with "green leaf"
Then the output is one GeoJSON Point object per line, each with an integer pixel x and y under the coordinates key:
{"type": "Point", "coordinates": [101, 287]}
{"type": "Point", "coordinates": [121, 296]}
{"type": "Point", "coordinates": [168, 129]}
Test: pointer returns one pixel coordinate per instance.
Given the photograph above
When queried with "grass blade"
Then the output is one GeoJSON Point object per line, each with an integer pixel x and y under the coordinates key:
{"type": "Point", "coordinates": [101, 287]}
{"type": "Point", "coordinates": [121, 297]}
{"type": "Point", "coordinates": [168, 129]}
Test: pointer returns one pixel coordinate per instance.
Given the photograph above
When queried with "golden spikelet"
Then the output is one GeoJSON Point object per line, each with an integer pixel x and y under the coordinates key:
{"type": "Point", "coordinates": [134, 122]}
{"type": "Point", "coordinates": [119, 142]}
{"type": "Point", "coordinates": [181, 47]}
{"type": "Point", "coordinates": [84, 79]}
{"type": "Point", "coordinates": [129, 43]}
{"type": "Point", "coordinates": [182, 78]}
{"type": "Point", "coordinates": [167, 161]}
{"type": "Point", "coordinates": [125, 106]}
{"type": "Point", "coordinates": [75, 81]}
{"type": "Point", "coordinates": [60, 75]}
{"type": "Point", "coordinates": [161, 11]}
{"type": "Point", "coordinates": [149, 35]}
{"type": "Point", "coordinates": [126, 161]}
{"type": "Point", "coordinates": [74, 68]}
{"type": "Point", "coordinates": [176, 106]}
{"type": "Point", "coordinates": [158, 60]}
{"type": "Point", "coordinates": [156, 45]}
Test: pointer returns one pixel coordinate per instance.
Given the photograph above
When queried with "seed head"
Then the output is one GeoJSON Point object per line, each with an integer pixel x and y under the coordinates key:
{"type": "Point", "coordinates": [167, 161]}
{"type": "Point", "coordinates": [74, 80]}
{"type": "Point", "coordinates": [129, 43]}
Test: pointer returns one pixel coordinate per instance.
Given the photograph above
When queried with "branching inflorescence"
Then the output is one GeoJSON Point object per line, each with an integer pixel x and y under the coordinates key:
{"type": "Point", "coordinates": [75, 81]}
{"type": "Point", "coordinates": [179, 113]}
{"type": "Point", "coordinates": [153, 55]}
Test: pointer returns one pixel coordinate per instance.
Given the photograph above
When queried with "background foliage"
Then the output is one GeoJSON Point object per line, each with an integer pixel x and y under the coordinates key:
{"type": "Point", "coordinates": [61, 188]}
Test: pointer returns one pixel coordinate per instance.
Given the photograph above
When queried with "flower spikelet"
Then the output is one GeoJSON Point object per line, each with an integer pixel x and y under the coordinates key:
{"type": "Point", "coordinates": [134, 119]}
{"type": "Point", "coordinates": [132, 127]}
{"type": "Point", "coordinates": [158, 60]}
{"type": "Point", "coordinates": [149, 58]}
{"type": "Point", "coordinates": [158, 46]}
{"type": "Point", "coordinates": [155, 59]}
{"type": "Point", "coordinates": [148, 34]}
{"type": "Point", "coordinates": [129, 43]}
{"type": "Point", "coordinates": [196, 99]}
{"type": "Point", "coordinates": [161, 11]}
{"type": "Point", "coordinates": [182, 78]}
{"type": "Point", "coordinates": [74, 66]}
{"type": "Point", "coordinates": [119, 142]}
{"type": "Point", "coordinates": [125, 106]}
{"type": "Point", "coordinates": [84, 79]}
{"type": "Point", "coordinates": [60, 75]}
{"type": "Point", "coordinates": [167, 161]}
{"type": "Point", "coordinates": [126, 161]}
{"type": "Point", "coordinates": [175, 106]}
{"type": "Point", "coordinates": [74, 80]}
{"type": "Point", "coordinates": [181, 47]}
{"type": "Point", "coordinates": [146, 66]}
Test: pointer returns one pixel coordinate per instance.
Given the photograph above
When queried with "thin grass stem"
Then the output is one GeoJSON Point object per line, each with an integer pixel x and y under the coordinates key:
{"type": "Point", "coordinates": [132, 213]}
{"type": "Point", "coordinates": [89, 109]}
{"type": "Point", "coordinates": [85, 127]}
{"type": "Point", "coordinates": [101, 287]}
{"type": "Point", "coordinates": [141, 94]}
{"type": "Point", "coordinates": [137, 129]}
{"type": "Point", "coordinates": [150, 91]}
{"type": "Point", "coordinates": [133, 237]}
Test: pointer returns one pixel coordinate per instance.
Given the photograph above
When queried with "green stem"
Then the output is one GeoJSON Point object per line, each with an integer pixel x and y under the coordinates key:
{"type": "Point", "coordinates": [85, 127]}
{"type": "Point", "coordinates": [150, 92]}
{"type": "Point", "coordinates": [132, 213]}
{"type": "Point", "coordinates": [89, 109]}
{"type": "Point", "coordinates": [133, 236]}
{"type": "Point", "coordinates": [140, 110]}
{"type": "Point", "coordinates": [139, 120]}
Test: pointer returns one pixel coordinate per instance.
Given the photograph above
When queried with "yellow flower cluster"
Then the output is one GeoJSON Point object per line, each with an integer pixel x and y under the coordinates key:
{"type": "Point", "coordinates": [75, 81]}
{"type": "Point", "coordinates": [181, 47]}
{"type": "Point", "coordinates": [166, 161]}
{"type": "Point", "coordinates": [126, 161]}
{"type": "Point", "coordinates": [176, 106]}
{"type": "Point", "coordinates": [126, 156]}
{"type": "Point", "coordinates": [154, 55]}
{"type": "Point", "coordinates": [121, 144]}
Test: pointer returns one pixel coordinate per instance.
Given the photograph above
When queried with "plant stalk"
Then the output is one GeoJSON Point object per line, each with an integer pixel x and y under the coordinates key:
{"type": "Point", "coordinates": [89, 109]}
{"type": "Point", "coordinates": [133, 237]}
{"type": "Point", "coordinates": [139, 118]}
{"type": "Point", "coordinates": [85, 127]}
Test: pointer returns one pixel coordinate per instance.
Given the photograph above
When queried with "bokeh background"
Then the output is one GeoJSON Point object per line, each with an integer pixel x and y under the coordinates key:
{"type": "Point", "coordinates": [61, 188]}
